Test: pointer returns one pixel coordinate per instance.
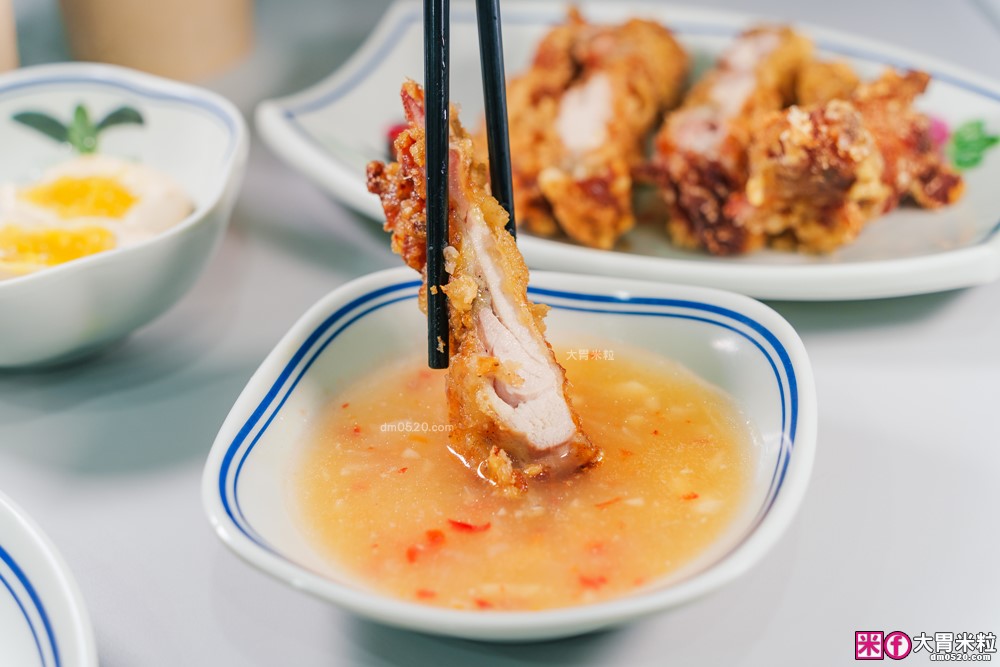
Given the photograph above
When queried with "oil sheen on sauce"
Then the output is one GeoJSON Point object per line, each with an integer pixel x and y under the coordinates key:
{"type": "Point", "coordinates": [381, 495]}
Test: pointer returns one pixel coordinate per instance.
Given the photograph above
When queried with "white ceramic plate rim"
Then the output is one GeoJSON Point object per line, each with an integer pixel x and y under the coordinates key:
{"type": "Point", "coordinates": [145, 86]}
{"type": "Point", "coordinates": [48, 559]}
{"type": "Point", "coordinates": [287, 359]}
{"type": "Point", "coordinates": [974, 264]}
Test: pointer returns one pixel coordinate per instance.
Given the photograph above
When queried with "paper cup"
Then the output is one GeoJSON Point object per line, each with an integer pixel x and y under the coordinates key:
{"type": "Point", "coordinates": [181, 39]}
{"type": "Point", "coordinates": [8, 37]}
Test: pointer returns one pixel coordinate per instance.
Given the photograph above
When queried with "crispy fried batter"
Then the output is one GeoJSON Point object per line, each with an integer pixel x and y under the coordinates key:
{"type": "Point", "coordinates": [701, 149]}
{"type": "Point", "coordinates": [821, 81]}
{"type": "Point", "coordinates": [507, 395]}
{"type": "Point", "coordinates": [820, 172]}
{"type": "Point", "coordinates": [913, 168]}
{"type": "Point", "coordinates": [578, 118]}
{"type": "Point", "coordinates": [815, 178]}
{"type": "Point", "coordinates": [402, 188]}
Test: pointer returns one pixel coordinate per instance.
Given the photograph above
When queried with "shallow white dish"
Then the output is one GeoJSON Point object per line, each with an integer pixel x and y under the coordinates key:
{"type": "Point", "coordinates": [192, 135]}
{"type": "Point", "coordinates": [330, 131]}
{"type": "Point", "coordinates": [734, 342]}
{"type": "Point", "coordinates": [43, 621]}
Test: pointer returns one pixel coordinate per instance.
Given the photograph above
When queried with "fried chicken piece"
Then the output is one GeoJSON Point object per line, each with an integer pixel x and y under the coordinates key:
{"type": "Point", "coordinates": [819, 173]}
{"type": "Point", "coordinates": [402, 187]}
{"type": "Point", "coordinates": [815, 178]}
{"type": "Point", "coordinates": [701, 149]}
{"type": "Point", "coordinates": [913, 167]}
{"type": "Point", "coordinates": [507, 394]}
{"type": "Point", "coordinates": [821, 81]}
{"type": "Point", "coordinates": [578, 118]}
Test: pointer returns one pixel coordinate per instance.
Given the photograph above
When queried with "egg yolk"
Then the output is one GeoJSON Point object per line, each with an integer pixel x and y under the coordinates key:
{"type": "Point", "coordinates": [89, 196]}
{"type": "Point", "coordinates": [29, 248]}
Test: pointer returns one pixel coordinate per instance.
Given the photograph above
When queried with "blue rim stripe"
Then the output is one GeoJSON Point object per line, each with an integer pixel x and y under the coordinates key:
{"type": "Point", "coordinates": [789, 419]}
{"type": "Point", "coordinates": [201, 103]}
{"type": "Point", "coordinates": [31, 626]}
{"type": "Point", "coordinates": [276, 388]}
{"type": "Point", "coordinates": [37, 603]}
{"type": "Point", "coordinates": [787, 433]}
{"type": "Point", "coordinates": [291, 388]}
{"type": "Point", "coordinates": [407, 20]}
{"type": "Point", "coordinates": [756, 326]}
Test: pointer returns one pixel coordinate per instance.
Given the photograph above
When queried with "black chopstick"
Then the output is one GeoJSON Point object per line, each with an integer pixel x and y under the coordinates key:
{"type": "Point", "coordinates": [495, 96]}
{"type": "Point", "coordinates": [436, 135]}
{"type": "Point", "coordinates": [436, 61]}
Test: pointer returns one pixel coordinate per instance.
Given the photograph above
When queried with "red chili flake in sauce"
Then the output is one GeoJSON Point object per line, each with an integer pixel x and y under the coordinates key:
{"type": "Point", "coordinates": [402, 470]}
{"type": "Point", "coordinates": [425, 594]}
{"type": "Point", "coordinates": [593, 582]}
{"type": "Point", "coordinates": [656, 432]}
{"type": "Point", "coordinates": [689, 496]}
{"type": "Point", "coordinates": [344, 406]}
{"type": "Point", "coordinates": [607, 503]}
{"type": "Point", "coordinates": [463, 527]}
{"type": "Point", "coordinates": [483, 604]}
{"type": "Point", "coordinates": [435, 538]}
{"type": "Point", "coordinates": [356, 429]}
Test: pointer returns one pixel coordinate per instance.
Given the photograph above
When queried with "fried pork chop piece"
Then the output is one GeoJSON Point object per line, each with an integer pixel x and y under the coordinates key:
{"type": "Point", "coordinates": [578, 118]}
{"type": "Point", "coordinates": [815, 178]}
{"type": "Point", "coordinates": [821, 81]}
{"type": "Point", "coordinates": [701, 149]}
{"type": "Point", "coordinates": [914, 169]}
{"type": "Point", "coordinates": [402, 187]}
{"type": "Point", "coordinates": [818, 173]}
{"type": "Point", "coordinates": [507, 394]}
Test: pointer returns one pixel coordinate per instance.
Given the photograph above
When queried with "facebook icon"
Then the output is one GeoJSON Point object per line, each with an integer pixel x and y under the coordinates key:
{"type": "Point", "coordinates": [897, 645]}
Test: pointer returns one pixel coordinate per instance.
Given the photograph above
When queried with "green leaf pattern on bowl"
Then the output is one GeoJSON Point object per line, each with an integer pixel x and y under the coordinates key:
{"type": "Point", "coordinates": [81, 133]}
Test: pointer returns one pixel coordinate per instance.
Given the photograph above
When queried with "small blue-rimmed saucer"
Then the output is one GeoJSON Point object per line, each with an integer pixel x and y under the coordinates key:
{"type": "Point", "coordinates": [734, 342]}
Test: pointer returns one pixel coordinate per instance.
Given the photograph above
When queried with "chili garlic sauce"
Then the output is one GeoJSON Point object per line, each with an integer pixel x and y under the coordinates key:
{"type": "Point", "coordinates": [383, 497]}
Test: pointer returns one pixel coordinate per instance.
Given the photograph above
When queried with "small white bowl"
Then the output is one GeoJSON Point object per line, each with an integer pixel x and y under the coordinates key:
{"type": "Point", "coordinates": [732, 341]}
{"type": "Point", "coordinates": [194, 136]}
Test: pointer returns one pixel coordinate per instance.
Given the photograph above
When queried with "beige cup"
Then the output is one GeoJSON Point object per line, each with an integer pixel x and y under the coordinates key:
{"type": "Point", "coordinates": [8, 37]}
{"type": "Point", "coordinates": [181, 39]}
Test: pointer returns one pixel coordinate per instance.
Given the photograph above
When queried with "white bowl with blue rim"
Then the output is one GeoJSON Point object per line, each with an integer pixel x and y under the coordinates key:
{"type": "Point", "coordinates": [192, 135]}
{"type": "Point", "coordinates": [732, 341]}
{"type": "Point", "coordinates": [43, 621]}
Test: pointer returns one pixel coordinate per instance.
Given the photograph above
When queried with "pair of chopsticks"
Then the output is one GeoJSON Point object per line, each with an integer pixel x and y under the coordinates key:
{"type": "Point", "coordinates": [436, 114]}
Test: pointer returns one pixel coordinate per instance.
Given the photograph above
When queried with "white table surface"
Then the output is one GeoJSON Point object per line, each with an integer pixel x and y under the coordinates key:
{"type": "Point", "coordinates": [898, 530]}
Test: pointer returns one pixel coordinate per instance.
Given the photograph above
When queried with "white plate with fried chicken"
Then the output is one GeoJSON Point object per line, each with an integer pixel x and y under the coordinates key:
{"type": "Point", "coordinates": [697, 147]}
